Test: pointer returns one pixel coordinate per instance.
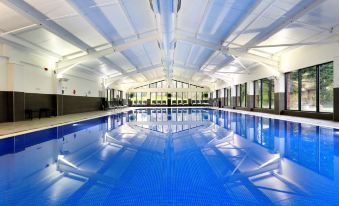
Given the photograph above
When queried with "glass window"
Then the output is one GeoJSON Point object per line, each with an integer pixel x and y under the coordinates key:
{"type": "Point", "coordinates": [312, 88]}
{"type": "Point", "coordinates": [238, 95]}
{"type": "Point", "coordinates": [292, 99]}
{"type": "Point", "coordinates": [257, 94]}
{"type": "Point", "coordinates": [265, 93]}
{"type": "Point", "coordinates": [326, 87]}
{"type": "Point", "coordinates": [243, 94]}
{"type": "Point", "coordinates": [308, 89]}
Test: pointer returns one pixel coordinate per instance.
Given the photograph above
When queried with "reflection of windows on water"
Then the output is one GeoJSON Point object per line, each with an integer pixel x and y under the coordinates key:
{"type": "Point", "coordinates": [311, 147]}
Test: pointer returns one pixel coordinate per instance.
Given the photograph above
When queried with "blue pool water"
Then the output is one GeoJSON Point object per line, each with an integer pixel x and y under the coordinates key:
{"type": "Point", "coordinates": [172, 157]}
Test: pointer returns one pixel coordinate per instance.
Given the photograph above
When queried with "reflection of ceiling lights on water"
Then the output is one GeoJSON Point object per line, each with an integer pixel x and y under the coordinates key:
{"type": "Point", "coordinates": [62, 159]}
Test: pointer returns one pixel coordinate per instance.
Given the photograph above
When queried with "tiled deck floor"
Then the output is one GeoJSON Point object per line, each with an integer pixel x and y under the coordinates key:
{"type": "Point", "coordinates": [16, 128]}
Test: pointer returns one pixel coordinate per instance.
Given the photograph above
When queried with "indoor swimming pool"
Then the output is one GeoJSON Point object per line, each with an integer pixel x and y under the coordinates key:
{"type": "Point", "coordinates": [172, 156]}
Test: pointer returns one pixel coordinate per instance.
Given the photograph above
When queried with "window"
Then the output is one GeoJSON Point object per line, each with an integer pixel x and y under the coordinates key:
{"type": "Point", "coordinates": [308, 78]}
{"type": "Point", "coordinates": [257, 94]}
{"type": "Point", "coordinates": [243, 96]}
{"type": "Point", "coordinates": [310, 89]}
{"type": "Point", "coordinates": [264, 93]}
{"type": "Point", "coordinates": [238, 103]}
{"type": "Point", "coordinates": [326, 87]}
{"type": "Point", "coordinates": [292, 100]}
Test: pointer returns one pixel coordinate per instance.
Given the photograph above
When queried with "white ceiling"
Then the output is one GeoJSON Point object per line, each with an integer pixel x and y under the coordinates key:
{"type": "Point", "coordinates": [63, 28]}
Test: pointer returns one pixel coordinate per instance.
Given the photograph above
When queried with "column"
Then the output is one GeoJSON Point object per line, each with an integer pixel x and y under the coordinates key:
{"type": "Point", "coordinates": [16, 96]}
{"type": "Point", "coordinates": [336, 89]}
{"type": "Point", "coordinates": [250, 95]}
{"type": "Point", "coordinates": [233, 96]}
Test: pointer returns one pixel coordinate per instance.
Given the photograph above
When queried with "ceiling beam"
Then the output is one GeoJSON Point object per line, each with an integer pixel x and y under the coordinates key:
{"type": "Point", "coordinates": [233, 29]}
{"type": "Point", "coordinates": [85, 13]}
{"type": "Point", "coordinates": [26, 44]}
{"type": "Point", "coordinates": [97, 54]}
{"type": "Point", "coordinates": [39, 18]}
{"type": "Point", "coordinates": [230, 51]}
{"type": "Point", "coordinates": [112, 79]}
{"type": "Point", "coordinates": [293, 14]}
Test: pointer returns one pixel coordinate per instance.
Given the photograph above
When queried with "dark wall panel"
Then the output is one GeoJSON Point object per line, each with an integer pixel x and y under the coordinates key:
{"type": "Point", "coordinates": [279, 102]}
{"type": "Point", "coordinates": [336, 104]}
{"type": "Point", "coordinates": [14, 104]}
{"type": "Point", "coordinates": [3, 106]}
{"type": "Point", "coordinates": [37, 101]}
{"type": "Point", "coordinates": [76, 104]}
{"type": "Point", "coordinates": [19, 106]}
{"type": "Point", "coordinates": [250, 101]}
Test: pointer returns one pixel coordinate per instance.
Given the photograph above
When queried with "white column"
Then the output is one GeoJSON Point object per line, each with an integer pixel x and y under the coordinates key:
{"type": "Point", "coordinates": [15, 77]}
{"type": "Point", "coordinates": [3, 74]}
{"type": "Point", "coordinates": [250, 88]}
{"type": "Point", "coordinates": [279, 84]}
{"type": "Point", "coordinates": [233, 91]}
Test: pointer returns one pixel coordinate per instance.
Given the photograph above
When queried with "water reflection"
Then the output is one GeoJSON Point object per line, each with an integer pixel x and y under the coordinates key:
{"type": "Point", "coordinates": [172, 156]}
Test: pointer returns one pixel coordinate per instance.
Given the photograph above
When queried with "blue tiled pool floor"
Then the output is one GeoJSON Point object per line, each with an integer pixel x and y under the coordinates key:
{"type": "Point", "coordinates": [172, 157]}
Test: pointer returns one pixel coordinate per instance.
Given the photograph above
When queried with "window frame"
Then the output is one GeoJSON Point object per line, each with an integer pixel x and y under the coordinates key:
{"type": "Point", "coordinates": [270, 89]}
{"type": "Point", "coordinates": [317, 82]}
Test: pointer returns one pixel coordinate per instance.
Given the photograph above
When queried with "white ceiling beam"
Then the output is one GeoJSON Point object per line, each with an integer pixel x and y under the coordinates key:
{"type": "Point", "coordinates": [293, 44]}
{"type": "Point", "coordinates": [293, 14]}
{"type": "Point", "coordinates": [39, 18]}
{"type": "Point", "coordinates": [21, 42]}
{"type": "Point", "coordinates": [112, 65]}
{"type": "Point", "coordinates": [97, 54]}
{"type": "Point", "coordinates": [91, 69]}
{"type": "Point", "coordinates": [227, 62]}
{"type": "Point", "coordinates": [84, 12]}
{"type": "Point", "coordinates": [230, 51]}
{"type": "Point", "coordinates": [112, 79]}
{"type": "Point", "coordinates": [235, 27]}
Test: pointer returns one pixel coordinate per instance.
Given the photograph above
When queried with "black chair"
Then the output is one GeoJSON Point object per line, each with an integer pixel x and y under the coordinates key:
{"type": "Point", "coordinates": [29, 114]}
{"type": "Point", "coordinates": [174, 102]}
{"type": "Point", "coordinates": [184, 102]}
{"type": "Point", "coordinates": [44, 111]}
{"type": "Point", "coordinates": [194, 102]}
{"type": "Point", "coordinates": [154, 102]}
{"type": "Point", "coordinates": [163, 102]}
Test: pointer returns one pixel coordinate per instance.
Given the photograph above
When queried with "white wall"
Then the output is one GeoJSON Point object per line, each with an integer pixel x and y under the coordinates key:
{"type": "Point", "coordinates": [81, 85]}
{"type": "Point", "coordinates": [312, 55]}
{"type": "Point", "coordinates": [3, 74]}
{"type": "Point", "coordinates": [295, 59]}
{"type": "Point", "coordinates": [24, 72]}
